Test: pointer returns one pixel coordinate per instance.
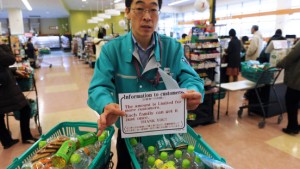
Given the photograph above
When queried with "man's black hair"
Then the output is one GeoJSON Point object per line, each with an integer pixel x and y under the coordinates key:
{"type": "Point", "coordinates": [278, 32]}
{"type": "Point", "coordinates": [255, 27]}
{"type": "Point", "coordinates": [129, 2]}
{"type": "Point", "coordinates": [101, 33]}
{"type": "Point", "coordinates": [183, 35]}
{"type": "Point", "coordinates": [232, 33]}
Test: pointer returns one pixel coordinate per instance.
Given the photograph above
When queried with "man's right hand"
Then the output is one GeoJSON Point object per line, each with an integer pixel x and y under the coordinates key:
{"type": "Point", "coordinates": [109, 116]}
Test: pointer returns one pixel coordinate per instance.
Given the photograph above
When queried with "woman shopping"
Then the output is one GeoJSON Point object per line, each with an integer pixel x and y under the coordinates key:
{"type": "Point", "coordinates": [233, 54]}
{"type": "Point", "coordinates": [12, 99]}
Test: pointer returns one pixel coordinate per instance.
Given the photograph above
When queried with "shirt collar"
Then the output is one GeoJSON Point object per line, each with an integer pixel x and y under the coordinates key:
{"type": "Point", "coordinates": [152, 44]}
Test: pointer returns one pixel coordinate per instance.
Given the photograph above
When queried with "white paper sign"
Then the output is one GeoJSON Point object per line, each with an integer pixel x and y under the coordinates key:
{"type": "Point", "coordinates": [153, 113]}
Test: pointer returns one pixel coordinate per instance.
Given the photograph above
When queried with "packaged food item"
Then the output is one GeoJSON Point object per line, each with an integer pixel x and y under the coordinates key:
{"type": "Point", "coordinates": [164, 157]}
{"type": "Point", "coordinates": [164, 144]}
{"type": "Point", "coordinates": [211, 163]}
{"type": "Point", "coordinates": [178, 158]}
{"type": "Point", "coordinates": [43, 163]}
{"type": "Point", "coordinates": [87, 139]}
{"type": "Point", "coordinates": [185, 164]}
{"type": "Point", "coordinates": [49, 147]}
{"type": "Point", "coordinates": [62, 156]}
{"type": "Point", "coordinates": [189, 154]}
{"type": "Point", "coordinates": [178, 142]}
{"type": "Point", "coordinates": [139, 150]}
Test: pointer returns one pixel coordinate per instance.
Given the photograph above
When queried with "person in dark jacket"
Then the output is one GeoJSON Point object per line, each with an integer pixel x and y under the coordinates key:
{"type": "Point", "coordinates": [291, 64]}
{"type": "Point", "coordinates": [31, 52]}
{"type": "Point", "coordinates": [276, 36]}
{"type": "Point", "coordinates": [265, 53]}
{"type": "Point", "coordinates": [12, 99]}
{"type": "Point", "coordinates": [233, 54]}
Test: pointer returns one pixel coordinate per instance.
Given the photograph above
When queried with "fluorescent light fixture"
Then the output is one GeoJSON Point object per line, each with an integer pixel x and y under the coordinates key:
{"type": "Point", "coordinates": [83, 0]}
{"type": "Point", "coordinates": [95, 18]}
{"type": "Point", "coordinates": [104, 16]}
{"type": "Point", "coordinates": [112, 12]}
{"type": "Point", "coordinates": [26, 3]}
{"type": "Point", "coordinates": [117, 1]}
{"type": "Point", "coordinates": [177, 2]}
{"type": "Point", "coordinates": [91, 21]}
{"type": "Point", "coordinates": [120, 6]}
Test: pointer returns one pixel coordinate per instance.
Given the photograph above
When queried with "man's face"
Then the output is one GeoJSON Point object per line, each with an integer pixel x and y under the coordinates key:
{"type": "Point", "coordinates": [252, 30]}
{"type": "Point", "coordinates": [144, 17]}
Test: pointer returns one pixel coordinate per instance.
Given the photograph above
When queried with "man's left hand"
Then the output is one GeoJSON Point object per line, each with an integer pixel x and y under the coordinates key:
{"type": "Point", "coordinates": [193, 99]}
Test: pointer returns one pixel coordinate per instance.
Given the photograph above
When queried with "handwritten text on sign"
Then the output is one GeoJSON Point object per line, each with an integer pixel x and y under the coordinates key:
{"type": "Point", "coordinates": [153, 113]}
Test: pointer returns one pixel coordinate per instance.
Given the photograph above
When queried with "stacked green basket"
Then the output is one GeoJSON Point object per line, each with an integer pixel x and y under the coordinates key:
{"type": "Point", "coordinates": [102, 159]}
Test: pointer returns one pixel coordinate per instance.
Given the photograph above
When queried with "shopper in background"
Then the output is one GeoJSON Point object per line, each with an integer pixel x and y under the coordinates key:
{"type": "Point", "coordinates": [183, 38]}
{"type": "Point", "coordinates": [12, 99]}
{"type": "Point", "coordinates": [265, 53]}
{"type": "Point", "coordinates": [130, 63]}
{"type": "Point", "coordinates": [291, 65]}
{"type": "Point", "coordinates": [256, 44]}
{"type": "Point", "coordinates": [99, 42]}
{"type": "Point", "coordinates": [233, 56]}
{"type": "Point", "coordinates": [30, 51]}
{"type": "Point", "coordinates": [244, 47]}
{"type": "Point", "coordinates": [276, 36]}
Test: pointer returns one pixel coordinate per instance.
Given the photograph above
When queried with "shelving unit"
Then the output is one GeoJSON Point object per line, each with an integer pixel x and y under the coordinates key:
{"type": "Point", "coordinates": [202, 53]}
{"type": "Point", "coordinates": [89, 53]}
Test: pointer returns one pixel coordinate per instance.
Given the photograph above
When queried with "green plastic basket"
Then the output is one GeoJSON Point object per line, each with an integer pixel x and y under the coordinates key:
{"type": "Point", "coordinates": [258, 76]}
{"type": "Point", "coordinates": [222, 94]}
{"type": "Point", "coordinates": [33, 112]}
{"type": "Point", "coordinates": [69, 128]}
{"type": "Point", "coordinates": [191, 137]}
{"type": "Point", "coordinates": [25, 84]}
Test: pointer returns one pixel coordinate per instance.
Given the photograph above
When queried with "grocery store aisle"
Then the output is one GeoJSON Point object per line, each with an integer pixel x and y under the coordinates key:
{"type": "Point", "coordinates": [62, 92]}
{"type": "Point", "coordinates": [244, 145]}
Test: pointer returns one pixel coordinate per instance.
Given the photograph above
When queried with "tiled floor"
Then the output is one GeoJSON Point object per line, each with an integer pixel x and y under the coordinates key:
{"type": "Point", "coordinates": [62, 93]}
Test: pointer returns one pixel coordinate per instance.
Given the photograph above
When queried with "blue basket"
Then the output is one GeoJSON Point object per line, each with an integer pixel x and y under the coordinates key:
{"type": "Point", "coordinates": [68, 129]}
{"type": "Point", "coordinates": [191, 137]}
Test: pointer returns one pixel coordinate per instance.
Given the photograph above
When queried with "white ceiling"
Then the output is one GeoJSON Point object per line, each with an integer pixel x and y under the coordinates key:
{"type": "Point", "coordinates": [56, 8]}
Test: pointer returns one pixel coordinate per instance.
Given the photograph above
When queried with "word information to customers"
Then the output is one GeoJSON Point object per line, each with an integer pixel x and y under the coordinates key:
{"type": "Point", "coordinates": [153, 113]}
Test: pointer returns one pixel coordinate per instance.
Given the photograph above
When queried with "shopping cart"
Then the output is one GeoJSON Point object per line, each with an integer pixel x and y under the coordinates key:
{"type": "Point", "coordinates": [40, 56]}
{"type": "Point", "coordinates": [28, 85]}
{"type": "Point", "coordinates": [264, 80]}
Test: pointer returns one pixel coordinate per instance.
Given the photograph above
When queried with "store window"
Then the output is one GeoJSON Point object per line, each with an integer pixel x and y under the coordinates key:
{"type": "Point", "coordinates": [295, 3]}
{"type": "Point", "coordinates": [267, 5]}
{"type": "Point", "coordinates": [251, 6]}
{"type": "Point", "coordinates": [291, 27]}
{"type": "Point", "coordinates": [221, 11]}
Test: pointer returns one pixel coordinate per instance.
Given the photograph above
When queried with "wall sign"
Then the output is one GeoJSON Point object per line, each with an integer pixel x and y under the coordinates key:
{"type": "Point", "coordinates": [53, 27]}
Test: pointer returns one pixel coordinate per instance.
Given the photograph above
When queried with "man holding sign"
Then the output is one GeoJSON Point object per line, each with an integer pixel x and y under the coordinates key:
{"type": "Point", "coordinates": [131, 64]}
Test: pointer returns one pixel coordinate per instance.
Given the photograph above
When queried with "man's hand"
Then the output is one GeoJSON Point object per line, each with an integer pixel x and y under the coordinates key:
{"type": "Point", "coordinates": [193, 99]}
{"type": "Point", "coordinates": [21, 73]}
{"type": "Point", "coordinates": [109, 116]}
